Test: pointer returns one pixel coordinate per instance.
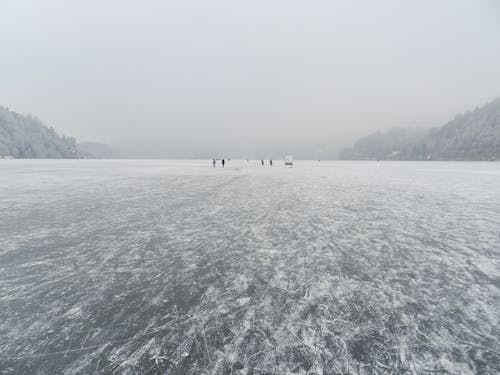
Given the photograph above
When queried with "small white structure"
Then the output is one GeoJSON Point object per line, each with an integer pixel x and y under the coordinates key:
{"type": "Point", "coordinates": [288, 161]}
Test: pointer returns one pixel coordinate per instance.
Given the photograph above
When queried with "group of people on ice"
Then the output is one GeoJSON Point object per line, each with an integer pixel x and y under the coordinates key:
{"type": "Point", "coordinates": [270, 162]}
{"type": "Point", "coordinates": [223, 162]}
{"type": "Point", "coordinates": [214, 161]}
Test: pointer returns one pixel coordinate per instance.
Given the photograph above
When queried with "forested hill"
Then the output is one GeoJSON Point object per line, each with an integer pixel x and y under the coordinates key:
{"type": "Point", "coordinates": [24, 136]}
{"type": "Point", "coordinates": [474, 135]}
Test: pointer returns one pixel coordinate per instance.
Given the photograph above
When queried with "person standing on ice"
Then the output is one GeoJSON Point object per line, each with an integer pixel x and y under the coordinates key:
{"type": "Point", "coordinates": [271, 162]}
{"type": "Point", "coordinates": [262, 162]}
{"type": "Point", "coordinates": [213, 162]}
{"type": "Point", "coordinates": [223, 162]}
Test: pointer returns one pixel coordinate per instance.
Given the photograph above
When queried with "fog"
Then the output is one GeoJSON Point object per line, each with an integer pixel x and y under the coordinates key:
{"type": "Point", "coordinates": [245, 79]}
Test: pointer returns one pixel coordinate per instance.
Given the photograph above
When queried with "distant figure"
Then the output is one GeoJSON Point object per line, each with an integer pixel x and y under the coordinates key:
{"type": "Point", "coordinates": [262, 162]}
{"type": "Point", "coordinates": [213, 162]}
{"type": "Point", "coordinates": [223, 162]}
{"type": "Point", "coordinates": [271, 162]}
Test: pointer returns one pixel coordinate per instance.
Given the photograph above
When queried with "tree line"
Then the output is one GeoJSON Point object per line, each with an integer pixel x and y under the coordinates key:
{"type": "Point", "coordinates": [473, 135]}
{"type": "Point", "coordinates": [25, 136]}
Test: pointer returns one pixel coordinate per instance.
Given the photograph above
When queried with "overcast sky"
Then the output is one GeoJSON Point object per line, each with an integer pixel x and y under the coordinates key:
{"type": "Point", "coordinates": [187, 78]}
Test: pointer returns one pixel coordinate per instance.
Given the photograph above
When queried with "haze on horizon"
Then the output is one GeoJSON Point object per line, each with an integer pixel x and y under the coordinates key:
{"type": "Point", "coordinates": [245, 79]}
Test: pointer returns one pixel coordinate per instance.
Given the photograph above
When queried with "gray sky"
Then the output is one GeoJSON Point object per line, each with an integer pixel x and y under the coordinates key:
{"type": "Point", "coordinates": [187, 78]}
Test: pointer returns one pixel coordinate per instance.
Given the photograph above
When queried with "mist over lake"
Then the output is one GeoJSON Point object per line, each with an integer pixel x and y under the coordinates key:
{"type": "Point", "coordinates": [249, 187]}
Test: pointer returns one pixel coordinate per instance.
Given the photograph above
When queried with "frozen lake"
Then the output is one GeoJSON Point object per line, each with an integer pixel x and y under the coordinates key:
{"type": "Point", "coordinates": [174, 267]}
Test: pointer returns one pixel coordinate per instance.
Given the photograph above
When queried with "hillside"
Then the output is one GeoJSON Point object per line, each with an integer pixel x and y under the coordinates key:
{"type": "Point", "coordinates": [381, 145]}
{"type": "Point", "coordinates": [24, 136]}
{"type": "Point", "coordinates": [474, 135]}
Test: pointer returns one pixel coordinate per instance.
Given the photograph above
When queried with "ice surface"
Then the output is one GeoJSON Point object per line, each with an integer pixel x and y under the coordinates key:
{"type": "Point", "coordinates": [174, 267]}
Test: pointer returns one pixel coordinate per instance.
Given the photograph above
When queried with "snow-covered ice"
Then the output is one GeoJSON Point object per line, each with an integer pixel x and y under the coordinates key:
{"type": "Point", "coordinates": [174, 267]}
